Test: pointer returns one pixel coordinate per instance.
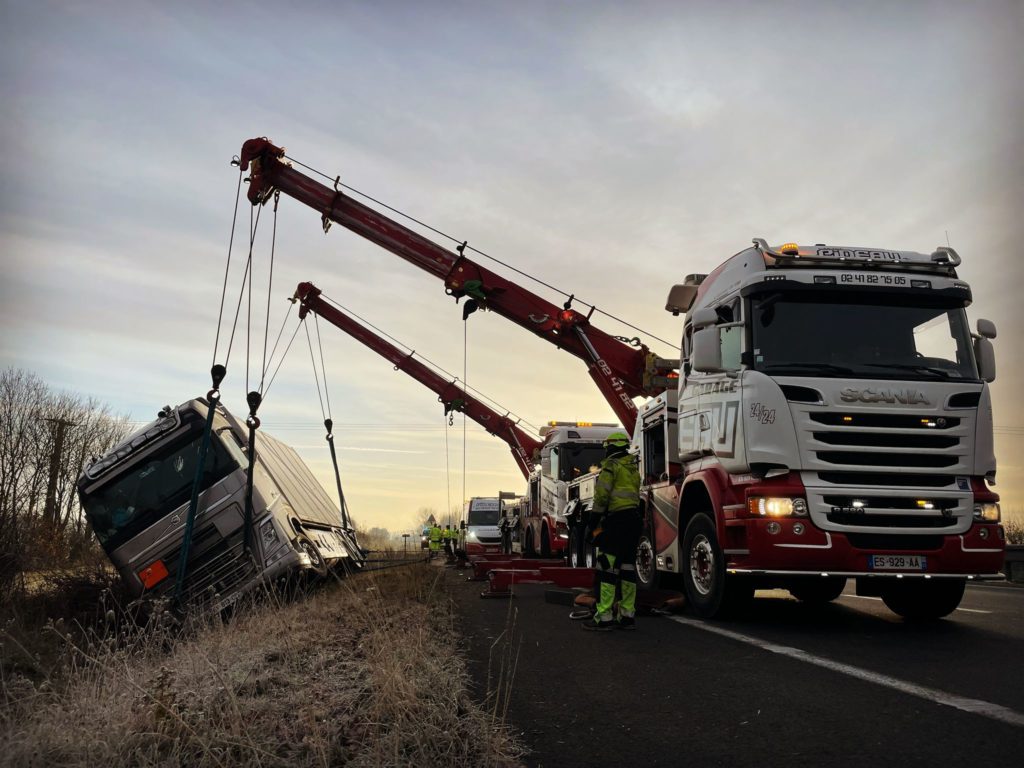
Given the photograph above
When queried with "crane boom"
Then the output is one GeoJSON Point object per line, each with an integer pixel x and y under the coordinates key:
{"type": "Point", "coordinates": [524, 447]}
{"type": "Point", "coordinates": [621, 371]}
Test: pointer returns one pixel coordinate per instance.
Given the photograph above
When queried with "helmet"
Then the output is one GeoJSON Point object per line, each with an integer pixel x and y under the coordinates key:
{"type": "Point", "coordinates": [617, 440]}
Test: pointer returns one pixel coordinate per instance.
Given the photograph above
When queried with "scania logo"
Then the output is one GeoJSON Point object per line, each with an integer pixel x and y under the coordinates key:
{"type": "Point", "coordinates": [869, 395]}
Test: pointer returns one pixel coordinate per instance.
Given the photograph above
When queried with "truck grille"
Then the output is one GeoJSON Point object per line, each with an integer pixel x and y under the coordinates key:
{"type": "Point", "coordinates": [886, 475]}
{"type": "Point", "coordinates": [217, 566]}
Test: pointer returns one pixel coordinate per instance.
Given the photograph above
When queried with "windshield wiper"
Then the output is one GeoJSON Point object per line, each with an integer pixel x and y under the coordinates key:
{"type": "Point", "coordinates": [911, 367]}
{"type": "Point", "coordinates": [812, 367]}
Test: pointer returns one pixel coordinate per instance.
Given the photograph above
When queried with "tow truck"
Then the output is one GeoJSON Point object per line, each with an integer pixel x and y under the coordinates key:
{"type": "Point", "coordinates": [832, 419]}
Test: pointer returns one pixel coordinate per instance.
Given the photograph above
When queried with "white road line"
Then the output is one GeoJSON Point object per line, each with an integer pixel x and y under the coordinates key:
{"type": "Point", "coordinates": [973, 610]}
{"type": "Point", "coordinates": [977, 706]}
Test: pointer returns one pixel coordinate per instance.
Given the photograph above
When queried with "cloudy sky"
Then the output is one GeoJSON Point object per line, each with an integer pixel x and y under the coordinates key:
{"type": "Point", "coordinates": [608, 148]}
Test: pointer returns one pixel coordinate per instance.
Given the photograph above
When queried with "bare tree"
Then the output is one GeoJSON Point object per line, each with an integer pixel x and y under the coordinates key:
{"type": "Point", "coordinates": [45, 439]}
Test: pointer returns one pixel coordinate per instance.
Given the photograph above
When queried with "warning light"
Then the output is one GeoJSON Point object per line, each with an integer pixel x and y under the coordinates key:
{"type": "Point", "coordinates": [929, 423]}
{"type": "Point", "coordinates": [565, 315]}
{"type": "Point", "coordinates": [153, 574]}
{"type": "Point", "coordinates": [584, 423]}
{"type": "Point", "coordinates": [847, 419]}
{"type": "Point", "coordinates": [673, 375]}
{"type": "Point", "coordinates": [790, 249]}
{"type": "Point", "coordinates": [923, 504]}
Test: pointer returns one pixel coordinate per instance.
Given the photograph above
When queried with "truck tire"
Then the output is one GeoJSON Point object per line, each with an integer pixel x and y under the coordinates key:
{"type": "Point", "coordinates": [818, 590]}
{"type": "Point", "coordinates": [576, 547]}
{"type": "Point", "coordinates": [529, 545]}
{"type": "Point", "coordinates": [545, 542]}
{"type": "Point", "coordinates": [709, 592]}
{"type": "Point", "coordinates": [647, 577]}
{"type": "Point", "coordinates": [924, 600]}
{"type": "Point", "coordinates": [317, 564]}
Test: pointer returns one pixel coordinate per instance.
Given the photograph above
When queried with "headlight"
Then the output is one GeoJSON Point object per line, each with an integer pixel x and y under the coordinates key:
{"type": "Point", "coordinates": [776, 506]}
{"type": "Point", "coordinates": [268, 533]}
{"type": "Point", "coordinates": [988, 513]}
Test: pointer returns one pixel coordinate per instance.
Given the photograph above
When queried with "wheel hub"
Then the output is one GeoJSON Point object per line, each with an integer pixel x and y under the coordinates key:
{"type": "Point", "coordinates": [645, 561]}
{"type": "Point", "coordinates": [702, 564]}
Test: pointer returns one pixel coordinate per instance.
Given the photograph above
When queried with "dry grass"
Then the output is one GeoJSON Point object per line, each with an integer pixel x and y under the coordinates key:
{"type": "Point", "coordinates": [363, 672]}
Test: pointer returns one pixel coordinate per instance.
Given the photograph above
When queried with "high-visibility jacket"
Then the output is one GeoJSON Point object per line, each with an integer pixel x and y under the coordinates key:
{"type": "Point", "coordinates": [435, 534]}
{"type": "Point", "coordinates": [446, 534]}
{"type": "Point", "coordinates": [618, 485]}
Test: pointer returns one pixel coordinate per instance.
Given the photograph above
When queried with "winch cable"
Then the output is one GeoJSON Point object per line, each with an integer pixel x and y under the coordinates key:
{"type": "Point", "coordinates": [413, 353]}
{"type": "Point", "coordinates": [527, 275]}
{"type": "Point", "coordinates": [328, 420]}
{"type": "Point", "coordinates": [217, 374]}
{"type": "Point", "coordinates": [447, 467]}
{"type": "Point", "coordinates": [465, 357]}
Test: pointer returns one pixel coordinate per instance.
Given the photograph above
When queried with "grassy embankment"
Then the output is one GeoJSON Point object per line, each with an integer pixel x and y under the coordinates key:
{"type": "Point", "coordinates": [362, 672]}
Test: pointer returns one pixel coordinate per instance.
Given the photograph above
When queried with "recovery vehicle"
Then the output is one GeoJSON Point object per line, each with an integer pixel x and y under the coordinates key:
{"type": "Point", "coordinates": [832, 419]}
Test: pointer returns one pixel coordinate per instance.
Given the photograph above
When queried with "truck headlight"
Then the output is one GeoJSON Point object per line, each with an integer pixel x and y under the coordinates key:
{"type": "Point", "coordinates": [988, 512]}
{"type": "Point", "coordinates": [268, 533]}
{"type": "Point", "coordinates": [776, 506]}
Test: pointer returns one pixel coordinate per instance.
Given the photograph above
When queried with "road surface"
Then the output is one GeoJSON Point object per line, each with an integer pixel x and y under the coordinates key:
{"type": "Point", "coordinates": [849, 683]}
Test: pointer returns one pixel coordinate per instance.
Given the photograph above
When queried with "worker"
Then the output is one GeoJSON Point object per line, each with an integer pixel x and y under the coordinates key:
{"type": "Point", "coordinates": [435, 539]}
{"type": "Point", "coordinates": [616, 510]}
{"type": "Point", "coordinates": [446, 538]}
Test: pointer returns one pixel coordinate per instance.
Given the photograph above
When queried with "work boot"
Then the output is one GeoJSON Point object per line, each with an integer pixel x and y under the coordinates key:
{"type": "Point", "coordinates": [594, 625]}
{"type": "Point", "coordinates": [626, 622]}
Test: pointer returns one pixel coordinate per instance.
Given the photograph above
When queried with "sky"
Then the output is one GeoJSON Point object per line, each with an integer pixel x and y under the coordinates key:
{"type": "Point", "coordinates": [609, 149]}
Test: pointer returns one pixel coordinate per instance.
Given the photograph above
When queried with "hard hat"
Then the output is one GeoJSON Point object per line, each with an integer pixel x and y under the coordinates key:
{"type": "Point", "coordinates": [617, 439]}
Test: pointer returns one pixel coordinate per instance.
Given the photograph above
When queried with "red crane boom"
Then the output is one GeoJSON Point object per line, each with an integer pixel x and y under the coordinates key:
{"type": "Point", "coordinates": [621, 371]}
{"type": "Point", "coordinates": [524, 447]}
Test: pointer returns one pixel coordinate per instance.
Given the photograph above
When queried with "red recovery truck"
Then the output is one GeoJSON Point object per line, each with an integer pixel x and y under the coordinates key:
{"type": "Point", "coordinates": [832, 421]}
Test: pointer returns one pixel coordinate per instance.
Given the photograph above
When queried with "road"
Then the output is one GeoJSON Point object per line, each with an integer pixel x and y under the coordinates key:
{"type": "Point", "coordinates": [845, 684]}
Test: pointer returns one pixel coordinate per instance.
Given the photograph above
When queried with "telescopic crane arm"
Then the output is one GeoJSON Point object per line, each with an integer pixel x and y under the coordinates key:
{"type": "Point", "coordinates": [621, 371]}
{"type": "Point", "coordinates": [524, 447]}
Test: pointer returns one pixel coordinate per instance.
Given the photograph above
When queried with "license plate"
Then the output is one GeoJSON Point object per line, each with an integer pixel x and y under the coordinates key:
{"type": "Point", "coordinates": [897, 563]}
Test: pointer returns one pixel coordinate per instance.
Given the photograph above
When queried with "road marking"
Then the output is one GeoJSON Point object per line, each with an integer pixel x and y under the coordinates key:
{"type": "Point", "coordinates": [977, 706]}
{"type": "Point", "coordinates": [973, 610]}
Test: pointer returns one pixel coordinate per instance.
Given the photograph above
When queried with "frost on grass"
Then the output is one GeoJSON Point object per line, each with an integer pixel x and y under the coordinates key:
{"type": "Point", "coordinates": [360, 673]}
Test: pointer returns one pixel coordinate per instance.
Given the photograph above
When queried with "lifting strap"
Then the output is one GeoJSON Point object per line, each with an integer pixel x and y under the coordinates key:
{"type": "Point", "coordinates": [329, 425]}
{"type": "Point", "coordinates": [217, 373]}
{"type": "Point", "coordinates": [253, 399]}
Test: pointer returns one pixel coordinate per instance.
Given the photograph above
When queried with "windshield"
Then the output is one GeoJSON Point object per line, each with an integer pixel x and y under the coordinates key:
{"type": "Point", "coordinates": [851, 336]}
{"type": "Point", "coordinates": [130, 502]}
{"type": "Point", "coordinates": [487, 515]}
{"type": "Point", "coordinates": [575, 460]}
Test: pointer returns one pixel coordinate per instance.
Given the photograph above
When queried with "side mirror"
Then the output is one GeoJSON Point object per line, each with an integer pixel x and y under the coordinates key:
{"type": "Point", "coordinates": [680, 298]}
{"type": "Point", "coordinates": [706, 356]}
{"type": "Point", "coordinates": [985, 354]}
{"type": "Point", "coordinates": [986, 329]}
{"type": "Point", "coordinates": [704, 317]}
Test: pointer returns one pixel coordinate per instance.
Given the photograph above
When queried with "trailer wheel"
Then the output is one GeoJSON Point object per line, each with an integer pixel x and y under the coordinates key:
{"type": "Point", "coordinates": [818, 590]}
{"type": "Point", "coordinates": [924, 600]}
{"type": "Point", "coordinates": [316, 560]}
{"type": "Point", "coordinates": [709, 592]}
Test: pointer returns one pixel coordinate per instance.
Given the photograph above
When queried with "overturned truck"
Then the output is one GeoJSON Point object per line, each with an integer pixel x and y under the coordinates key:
{"type": "Point", "coordinates": [137, 498]}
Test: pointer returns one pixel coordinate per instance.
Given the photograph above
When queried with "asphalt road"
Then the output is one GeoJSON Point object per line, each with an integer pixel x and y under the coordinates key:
{"type": "Point", "coordinates": [846, 684]}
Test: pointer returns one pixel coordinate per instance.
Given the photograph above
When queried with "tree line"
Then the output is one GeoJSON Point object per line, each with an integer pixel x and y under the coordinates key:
{"type": "Point", "coordinates": [46, 437]}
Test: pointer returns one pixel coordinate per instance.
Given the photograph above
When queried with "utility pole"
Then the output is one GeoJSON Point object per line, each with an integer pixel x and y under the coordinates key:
{"type": "Point", "coordinates": [50, 512]}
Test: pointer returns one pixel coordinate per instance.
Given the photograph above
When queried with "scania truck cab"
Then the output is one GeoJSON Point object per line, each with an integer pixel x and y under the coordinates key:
{"type": "Point", "coordinates": [137, 496]}
{"type": "Point", "coordinates": [833, 421]}
{"type": "Point", "coordinates": [571, 450]}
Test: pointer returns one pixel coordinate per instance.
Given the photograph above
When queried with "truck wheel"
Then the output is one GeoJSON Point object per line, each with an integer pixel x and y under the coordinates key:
{"type": "Point", "coordinates": [818, 590]}
{"type": "Point", "coordinates": [529, 550]}
{"type": "Point", "coordinates": [709, 591]}
{"type": "Point", "coordinates": [316, 561]}
{"type": "Point", "coordinates": [545, 542]}
{"type": "Point", "coordinates": [646, 563]}
{"type": "Point", "coordinates": [576, 542]}
{"type": "Point", "coordinates": [589, 551]}
{"type": "Point", "coordinates": [924, 600]}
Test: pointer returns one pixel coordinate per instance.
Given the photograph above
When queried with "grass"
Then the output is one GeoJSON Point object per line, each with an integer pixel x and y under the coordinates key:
{"type": "Point", "coordinates": [361, 672]}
